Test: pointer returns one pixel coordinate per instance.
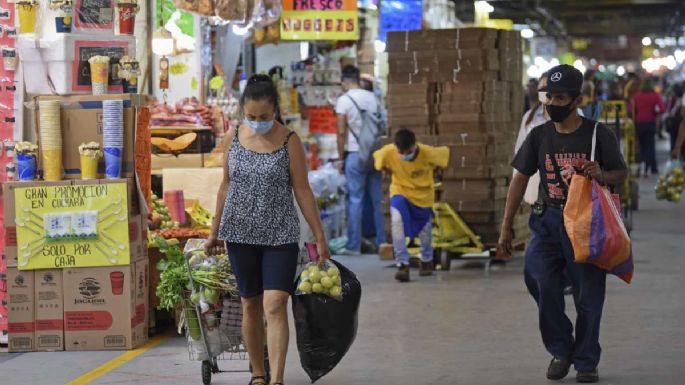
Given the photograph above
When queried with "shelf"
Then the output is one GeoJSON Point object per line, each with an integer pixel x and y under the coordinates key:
{"type": "Point", "coordinates": [173, 129]}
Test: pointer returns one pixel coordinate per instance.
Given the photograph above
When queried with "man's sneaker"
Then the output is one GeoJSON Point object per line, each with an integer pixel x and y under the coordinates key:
{"type": "Point", "coordinates": [350, 253]}
{"type": "Point", "coordinates": [426, 269]}
{"type": "Point", "coordinates": [558, 368]}
{"type": "Point", "coordinates": [587, 376]}
{"type": "Point", "coordinates": [402, 274]}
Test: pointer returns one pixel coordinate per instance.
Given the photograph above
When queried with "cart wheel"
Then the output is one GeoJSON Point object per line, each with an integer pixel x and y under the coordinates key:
{"type": "Point", "coordinates": [206, 372]}
{"type": "Point", "coordinates": [445, 260]}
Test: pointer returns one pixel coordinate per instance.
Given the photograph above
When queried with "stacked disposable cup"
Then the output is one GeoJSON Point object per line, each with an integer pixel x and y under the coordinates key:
{"type": "Point", "coordinates": [113, 136]}
{"type": "Point", "coordinates": [51, 139]}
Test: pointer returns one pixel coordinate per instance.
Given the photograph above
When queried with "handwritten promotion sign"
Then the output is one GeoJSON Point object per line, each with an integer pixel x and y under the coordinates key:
{"type": "Point", "coordinates": [72, 226]}
{"type": "Point", "coordinates": [319, 20]}
{"type": "Point", "coordinates": [400, 15]}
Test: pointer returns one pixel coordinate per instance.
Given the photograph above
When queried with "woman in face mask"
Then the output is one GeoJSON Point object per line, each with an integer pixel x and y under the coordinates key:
{"type": "Point", "coordinates": [256, 219]}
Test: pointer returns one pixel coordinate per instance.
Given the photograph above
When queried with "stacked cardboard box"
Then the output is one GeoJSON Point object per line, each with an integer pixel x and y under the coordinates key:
{"type": "Point", "coordinates": [68, 306]}
{"type": "Point", "coordinates": [462, 88]}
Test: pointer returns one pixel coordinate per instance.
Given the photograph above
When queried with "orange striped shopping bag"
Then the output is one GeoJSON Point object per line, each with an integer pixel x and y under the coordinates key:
{"type": "Point", "coordinates": [595, 227]}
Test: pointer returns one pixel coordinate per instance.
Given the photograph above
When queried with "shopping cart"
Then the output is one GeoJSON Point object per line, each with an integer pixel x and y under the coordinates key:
{"type": "Point", "coordinates": [215, 333]}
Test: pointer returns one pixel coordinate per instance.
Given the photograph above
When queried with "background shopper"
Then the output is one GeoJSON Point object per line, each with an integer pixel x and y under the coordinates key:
{"type": "Point", "coordinates": [359, 178]}
{"type": "Point", "coordinates": [256, 218]}
{"type": "Point", "coordinates": [648, 105]}
{"type": "Point", "coordinates": [558, 150]}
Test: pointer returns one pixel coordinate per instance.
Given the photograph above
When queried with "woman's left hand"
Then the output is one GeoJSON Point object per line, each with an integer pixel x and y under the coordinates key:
{"type": "Point", "coordinates": [324, 253]}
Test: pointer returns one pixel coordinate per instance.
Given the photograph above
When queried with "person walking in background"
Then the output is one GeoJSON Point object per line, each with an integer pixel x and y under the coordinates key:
{"type": "Point", "coordinates": [264, 166]}
{"type": "Point", "coordinates": [557, 150]}
{"type": "Point", "coordinates": [648, 105]}
{"type": "Point", "coordinates": [533, 117]}
{"type": "Point", "coordinates": [359, 177]}
{"type": "Point", "coordinates": [591, 107]}
{"type": "Point", "coordinates": [412, 194]}
{"type": "Point", "coordinates": [531, 93]}
{"type": "Point", "coordinates": [674, 115]}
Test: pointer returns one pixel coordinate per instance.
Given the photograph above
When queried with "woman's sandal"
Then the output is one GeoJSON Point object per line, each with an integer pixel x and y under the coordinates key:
{"type": "Point", "coordinates": [258, 380]}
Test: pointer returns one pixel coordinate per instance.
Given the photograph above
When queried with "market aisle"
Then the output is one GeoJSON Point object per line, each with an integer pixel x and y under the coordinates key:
{"type": "Point", "coordinates": [457, 328]}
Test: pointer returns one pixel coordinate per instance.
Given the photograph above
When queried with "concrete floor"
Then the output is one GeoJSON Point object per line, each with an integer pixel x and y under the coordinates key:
{"type": "Point", "coordinates": [459, 327]}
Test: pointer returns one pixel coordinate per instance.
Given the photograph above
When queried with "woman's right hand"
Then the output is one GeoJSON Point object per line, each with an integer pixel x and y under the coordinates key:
{"type": "Point", "coordinates": [213, 246]}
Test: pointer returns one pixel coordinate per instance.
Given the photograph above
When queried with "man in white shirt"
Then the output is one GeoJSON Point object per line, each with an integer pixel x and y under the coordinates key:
{"type": "Point", "coordinates": [359, 178]}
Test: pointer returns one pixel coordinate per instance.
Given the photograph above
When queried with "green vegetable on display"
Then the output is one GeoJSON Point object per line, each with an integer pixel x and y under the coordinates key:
{"type": "Point", "coordinates": [212, 274]}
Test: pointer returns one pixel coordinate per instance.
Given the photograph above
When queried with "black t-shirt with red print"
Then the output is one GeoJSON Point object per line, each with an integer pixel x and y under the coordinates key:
{"type": "Point", "coordinates": [571, 152]}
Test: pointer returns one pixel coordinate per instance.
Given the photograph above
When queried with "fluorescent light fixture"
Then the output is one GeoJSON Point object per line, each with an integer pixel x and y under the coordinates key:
{"type": "Point", "coordinates": [646, 41]}
{"type": "Point", "coordinates": [620, 71]}
{"type": "Point", "coordinates": [379, 46]}
{"type": "Point", "coordinates": [304, 50]}
{"type": "Point", "coordinates": [483, 6]}
{"type": "Point", "coordinates": [527, 33]}
{"type": "Point", "coordinates": [602, 68]}
{"type": "Point", "coordinates": [670, 62]}
{"type": "Point", "coordinates": [679, 56]}
{"type": "Point", "coordinates": [534, 72]}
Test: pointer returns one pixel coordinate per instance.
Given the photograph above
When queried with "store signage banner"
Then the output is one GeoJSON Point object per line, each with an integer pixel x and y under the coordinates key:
{"type": "Point", "coordinates": [400, 15]}
{"type": "Point", "coordinates": [319, 20]}
{"type": "Point", "coordinates": [72, 226]}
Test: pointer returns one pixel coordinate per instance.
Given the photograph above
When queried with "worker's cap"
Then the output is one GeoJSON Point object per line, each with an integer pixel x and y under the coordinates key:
{"type": "Point", "coordinates": [563, 78]}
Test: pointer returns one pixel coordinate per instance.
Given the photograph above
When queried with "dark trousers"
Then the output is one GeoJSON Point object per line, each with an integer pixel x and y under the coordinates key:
{"type": "Point", "coordinates": [646, 138]}
{"type": "Point", "coordinates": [548, 254]}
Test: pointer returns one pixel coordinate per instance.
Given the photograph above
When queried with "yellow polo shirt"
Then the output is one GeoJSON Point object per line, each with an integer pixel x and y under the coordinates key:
{"type": "Point", "coordinates": [413, 179]}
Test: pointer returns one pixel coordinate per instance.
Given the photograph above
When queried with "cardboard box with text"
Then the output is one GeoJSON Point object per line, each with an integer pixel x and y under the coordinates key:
{"type": "Point", "coordinates": [97, 308]}
{"type": "Point", "coordinates": [20, 288]}
{"type": "Point", "coordinates": [49, 314]}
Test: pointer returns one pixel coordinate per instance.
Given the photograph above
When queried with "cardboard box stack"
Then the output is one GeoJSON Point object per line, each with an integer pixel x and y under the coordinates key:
{"type": "Point", "coordinates": [68, 307]}
{"type": "Point", "coordinates": [462, 88]}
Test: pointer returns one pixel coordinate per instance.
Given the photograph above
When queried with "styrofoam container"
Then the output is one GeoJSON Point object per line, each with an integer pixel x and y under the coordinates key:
{"type": "Point", "coordinates": [64, 57]}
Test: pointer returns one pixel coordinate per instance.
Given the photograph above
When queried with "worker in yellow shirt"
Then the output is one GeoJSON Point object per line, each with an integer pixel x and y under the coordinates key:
{"type": "Point", "coordinates": [412, 194]}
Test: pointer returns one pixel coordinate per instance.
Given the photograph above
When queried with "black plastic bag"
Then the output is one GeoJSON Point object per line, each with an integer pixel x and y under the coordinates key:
{"type": "Point", "coordinates": [325, 327]}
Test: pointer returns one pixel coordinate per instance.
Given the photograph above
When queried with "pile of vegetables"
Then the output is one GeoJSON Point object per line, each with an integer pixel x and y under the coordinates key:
{"type": "Point", "coordinates": [211, 276]}
{"type": "Point", "coordinates": [160, 215]}
{"type": "Point", "coordinates": [182, 232]}
{"type": "Point", "coordinates": [671, 184]}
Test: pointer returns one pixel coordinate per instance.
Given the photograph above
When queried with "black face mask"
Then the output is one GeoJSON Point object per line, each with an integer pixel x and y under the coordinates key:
{"type": "Point", "coordinates": [559, 113]}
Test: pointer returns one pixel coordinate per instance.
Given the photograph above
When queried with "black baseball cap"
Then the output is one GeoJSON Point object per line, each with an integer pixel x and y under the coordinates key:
{"type": "Point", "coordinates": [563, 78]}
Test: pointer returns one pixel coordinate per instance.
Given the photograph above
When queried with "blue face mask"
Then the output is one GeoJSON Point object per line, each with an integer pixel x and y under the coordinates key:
{"type": "Point", "coordinates": [260, 128]}
{"type": "Point", "coordinates": [408, 157]}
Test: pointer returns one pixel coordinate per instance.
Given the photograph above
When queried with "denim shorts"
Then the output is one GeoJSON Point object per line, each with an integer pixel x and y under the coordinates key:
{"type": "Point", "coordinates": [259, 268]}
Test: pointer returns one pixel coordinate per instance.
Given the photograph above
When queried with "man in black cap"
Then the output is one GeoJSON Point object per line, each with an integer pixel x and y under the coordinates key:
{"type": "Point", "coordinates": [559, 149]}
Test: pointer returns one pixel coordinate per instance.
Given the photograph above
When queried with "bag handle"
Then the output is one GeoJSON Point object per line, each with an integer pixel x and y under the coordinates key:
{"type": "Point", "coordinates": [361, 112]}
{"type": "Point", "coordinates": [594, 143]}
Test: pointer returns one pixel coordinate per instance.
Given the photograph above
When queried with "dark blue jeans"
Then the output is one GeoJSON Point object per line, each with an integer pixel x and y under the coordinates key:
{"type": "Point", "coordinates": [646, 138]}
{"type": "Point", "coordinates": [548, 254]}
